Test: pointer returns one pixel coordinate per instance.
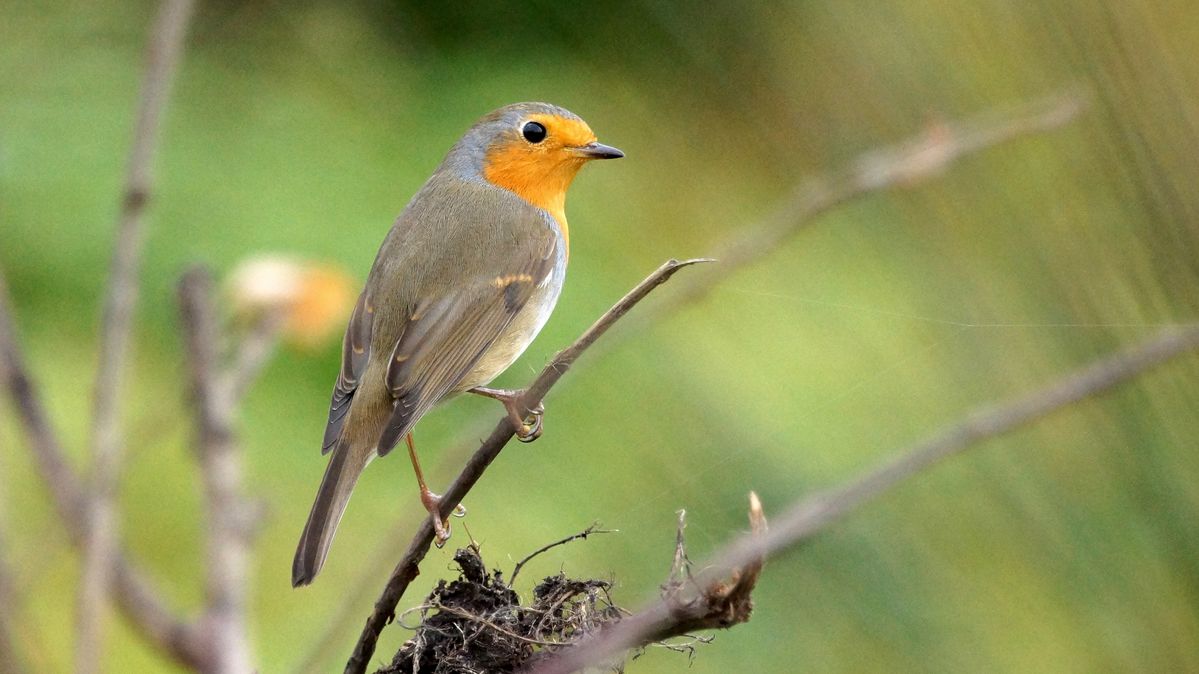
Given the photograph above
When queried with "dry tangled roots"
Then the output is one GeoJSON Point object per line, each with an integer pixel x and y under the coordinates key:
{"type": "Point", "coordinates": [477, 624]}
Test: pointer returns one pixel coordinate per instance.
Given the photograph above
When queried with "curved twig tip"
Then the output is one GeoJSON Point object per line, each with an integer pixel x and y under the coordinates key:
{"type": "Point", "coordinates": [690, 261]}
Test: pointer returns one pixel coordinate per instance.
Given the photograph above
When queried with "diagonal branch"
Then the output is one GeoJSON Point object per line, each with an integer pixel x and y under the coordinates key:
{"type": "Point", "coordinates": [409, 566]}
{"type": "Point", "coordinates": [100, 529]}
{"type": "Point", "coordinates": [811, 515]}
{"type": "Point", "coordinates": [137, 598]}
{"type": "Point", "coordinates": [905, 165]}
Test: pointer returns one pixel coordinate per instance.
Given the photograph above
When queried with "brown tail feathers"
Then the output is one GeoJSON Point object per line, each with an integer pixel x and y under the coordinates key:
{"type": "Point", "coordinates": [331, 500]}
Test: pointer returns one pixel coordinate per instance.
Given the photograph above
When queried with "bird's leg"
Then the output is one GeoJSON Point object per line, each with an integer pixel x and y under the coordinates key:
{"type": "Point", "coordinates": [526, 422]}
{"type": "Point", "coordinates": [431, 501]}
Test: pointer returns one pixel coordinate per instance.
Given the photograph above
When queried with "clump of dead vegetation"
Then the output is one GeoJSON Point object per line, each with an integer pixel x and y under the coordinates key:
{"type": "Point", "coordinates": [478, 624]}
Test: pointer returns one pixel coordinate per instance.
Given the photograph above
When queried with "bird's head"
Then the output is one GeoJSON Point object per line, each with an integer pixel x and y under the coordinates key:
{"type": "Point", "coordinates": [534, 150]}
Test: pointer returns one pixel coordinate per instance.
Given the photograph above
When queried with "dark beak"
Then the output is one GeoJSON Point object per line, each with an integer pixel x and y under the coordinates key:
{"type": "Point", "coordinates": [599, 151]}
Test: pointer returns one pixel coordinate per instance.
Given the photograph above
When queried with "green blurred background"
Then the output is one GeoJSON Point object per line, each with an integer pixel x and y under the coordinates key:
{"type": "Point", "coordinates": [304, 128]}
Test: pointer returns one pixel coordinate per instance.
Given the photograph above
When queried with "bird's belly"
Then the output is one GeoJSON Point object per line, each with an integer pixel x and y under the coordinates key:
{"type": "Point", "coordinates": [518, 335]}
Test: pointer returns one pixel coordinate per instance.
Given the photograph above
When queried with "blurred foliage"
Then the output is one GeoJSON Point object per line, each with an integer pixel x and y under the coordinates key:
{"type": "Point", "coordinates": [302, 128]}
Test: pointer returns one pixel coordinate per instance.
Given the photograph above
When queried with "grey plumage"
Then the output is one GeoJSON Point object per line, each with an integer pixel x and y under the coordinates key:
{"type": "Point", "coordinates": [462, 282]}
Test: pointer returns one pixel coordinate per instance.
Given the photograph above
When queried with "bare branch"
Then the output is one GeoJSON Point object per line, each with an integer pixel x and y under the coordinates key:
{"type": "Point", "coordinates": [137, 598]}
{"type": "Point", "coordinates": [229, 515]}
{"type": "Point", "coordinates": [905, 165]}
{"type": "Point", "coordinates": [100, 532]}
{"type": "Point", "coordinates": [409, 566]}
{"type": "Point", "coordinates": [812, 515]}
{"type": "Point", "coordinates": [593, 529]}
{"type": "Point", "coordinates": [64, 486]}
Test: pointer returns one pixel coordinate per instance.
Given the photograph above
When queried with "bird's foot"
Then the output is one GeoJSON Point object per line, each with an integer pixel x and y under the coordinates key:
{"type": "Point", "coordinates": [526, 421]}
{"type": "Point", "coordinates": [529, 428]}
{"type": "Point", "coordinates": [441, 526]}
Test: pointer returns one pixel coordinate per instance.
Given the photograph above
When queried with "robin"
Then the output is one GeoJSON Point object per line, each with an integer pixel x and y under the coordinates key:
{"type": "Point", "coordinates": [463, 282]}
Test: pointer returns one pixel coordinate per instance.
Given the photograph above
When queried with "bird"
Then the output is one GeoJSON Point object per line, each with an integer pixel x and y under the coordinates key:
{"type": "Point", "coordinates": [464, 280]}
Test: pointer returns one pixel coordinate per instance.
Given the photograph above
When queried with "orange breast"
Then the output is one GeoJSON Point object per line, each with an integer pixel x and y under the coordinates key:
{"type": "Point", "coordinates": [535, 182]}
{"type": "Point", "coordinates": [541, 173]}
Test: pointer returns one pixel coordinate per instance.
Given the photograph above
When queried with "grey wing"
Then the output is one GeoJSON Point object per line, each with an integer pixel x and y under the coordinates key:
{"type": "Point", "coordinates": [355, 351]}
{"type": "Point", "coordinates": [444, 339]}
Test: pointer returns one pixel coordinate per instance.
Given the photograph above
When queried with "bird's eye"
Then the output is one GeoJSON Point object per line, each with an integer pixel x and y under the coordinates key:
{"type": "Point", "coordinates": [533, 132]}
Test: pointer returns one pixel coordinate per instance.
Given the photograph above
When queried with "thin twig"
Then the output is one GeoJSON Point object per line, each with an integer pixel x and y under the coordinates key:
{"type": "Point", "coordinates": [409, 566]}
{"type": "Point", "coordinates": [487, 623]}
{"type": "Point", "coordinates": [593, 529]}
{"type": "Point", "coordinates": [229, 516]}
{"type": "Point", "coordinates": [141, 603]}
{"type": "Point", "coordinates": [100, 534]}
{"type": "Point", "coordinates": [811, 515]}
{"type": "Point", "coordinates": [687, 647]}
